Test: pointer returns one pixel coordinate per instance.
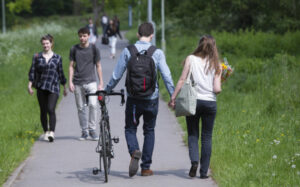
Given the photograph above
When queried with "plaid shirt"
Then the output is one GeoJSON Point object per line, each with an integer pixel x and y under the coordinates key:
{"type": "Point", "coordinates": [49, 75]}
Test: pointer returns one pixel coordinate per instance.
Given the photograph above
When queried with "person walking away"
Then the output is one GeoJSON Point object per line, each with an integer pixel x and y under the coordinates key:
{"type": "Point", "coordinates": [117, 23]}
{"type": "Point", "coordinates": [46, 74]}
{"type": "Point", "coordinates": [104, 23]}
{"type": "Point", "coordinates": [142, 99]}
{"type": "Point", "coordinates": [112, 36]}
{"type": "Point", "coordinates": [206, 74]}
{"type": "Point", "coordinates": [84, 58]}
{"type": "Point", "coordinates": [93, 31]}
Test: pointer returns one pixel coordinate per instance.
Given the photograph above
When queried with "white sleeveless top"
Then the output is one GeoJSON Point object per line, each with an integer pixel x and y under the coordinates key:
{"type": "Point", "coordinates": [203, 82]}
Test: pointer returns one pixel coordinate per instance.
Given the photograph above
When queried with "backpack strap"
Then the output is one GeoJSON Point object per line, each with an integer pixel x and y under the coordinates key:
{"type": "Point", "coordinates": [94, 52]}
{"type": "Point", "coordinates": [74, 49]}
{"type": "Point", "coordinates": [132, 50]}
{"type": "Point", "coordinates": [151, 50]}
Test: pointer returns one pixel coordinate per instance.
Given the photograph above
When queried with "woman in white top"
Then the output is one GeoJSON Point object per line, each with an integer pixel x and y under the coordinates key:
{"type": "Point", "coordinates": [206, 74]}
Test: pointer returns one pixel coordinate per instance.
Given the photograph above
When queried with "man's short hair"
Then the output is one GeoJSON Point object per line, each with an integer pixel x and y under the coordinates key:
{"type": "Point", "coordinates": [84, 30]}
{"type": "Point", "coordinates": [146, 29]}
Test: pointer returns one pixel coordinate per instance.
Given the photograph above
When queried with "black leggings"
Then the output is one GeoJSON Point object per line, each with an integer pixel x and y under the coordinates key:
{"type": "Point", "coordinates": [47, 101]}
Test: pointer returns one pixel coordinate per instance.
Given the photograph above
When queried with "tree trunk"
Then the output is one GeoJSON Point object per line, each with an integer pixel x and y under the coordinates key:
{"type": "Point", "coordinates": [76, 7]}
{"type": "Point", "coordinates": [97, 8]}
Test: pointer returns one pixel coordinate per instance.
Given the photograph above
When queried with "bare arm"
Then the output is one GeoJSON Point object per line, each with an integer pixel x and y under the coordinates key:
{"type": "Point", "coordinates": [180, 82]}
{"type": "Point", "coordinates": [217, 82]}
{"type": "Point", "coordinates": [99, 72]}
{"type": "Point", "coordinates": [71, 73]}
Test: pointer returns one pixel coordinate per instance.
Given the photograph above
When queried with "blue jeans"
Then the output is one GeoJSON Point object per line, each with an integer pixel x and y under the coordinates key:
{"type": "Point", "coordinates": [134, 110]}
{"type": "Point", "coordinates": [206, 110]}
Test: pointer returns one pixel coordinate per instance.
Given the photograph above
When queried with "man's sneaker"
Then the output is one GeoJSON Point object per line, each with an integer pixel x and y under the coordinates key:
{"type": "Point", "coordinates": [147, 172]}
{"type": "Point", "coordinates": [84, 136]}
{"type": "Point", "coordinates": [45, 136]}
{"type": "Point", "coordinates": [94, 136]}
{"type": "Point", "coordinates": [193, 170]}
{"type": "Point", "coordinates": [134, 162]}
{"type": "Point", "coordinates": [51, 136]}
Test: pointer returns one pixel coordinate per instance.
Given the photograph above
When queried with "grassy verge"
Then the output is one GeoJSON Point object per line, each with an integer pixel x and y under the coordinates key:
{"type": "Point", "coordinates": [19, 112]}
{"type": "Point", "coordinates": [256, 140]}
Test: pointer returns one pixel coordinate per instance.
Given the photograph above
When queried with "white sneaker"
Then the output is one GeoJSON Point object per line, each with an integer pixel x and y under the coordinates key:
{"type": "Point", "coordinates": [51, 136]}
{"type": "Point", "coordinates": [45, 136]}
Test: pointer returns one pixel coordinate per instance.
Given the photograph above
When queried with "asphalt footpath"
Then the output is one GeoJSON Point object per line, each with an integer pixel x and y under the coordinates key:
{"type": "Point", "coordinates": [68, 162]}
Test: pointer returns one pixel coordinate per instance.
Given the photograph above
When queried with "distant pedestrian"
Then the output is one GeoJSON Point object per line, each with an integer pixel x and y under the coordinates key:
{"type": "Point", "coordinates": [84, 59]}
{"type": "Point", "coordinates": [46, 74]}
{"type": "Point", "coordinates": [143, 93]}
{"type": "Point", "coordinates": [93, 31]}
{"type": "Point", "coordinates": [206, 73]}
{"type": "Point", "coordinates": [117, 23]}
{"type": "Point", "coordinates": [104, 23]}
{"type": "Point", "coordinates": [112, 36]}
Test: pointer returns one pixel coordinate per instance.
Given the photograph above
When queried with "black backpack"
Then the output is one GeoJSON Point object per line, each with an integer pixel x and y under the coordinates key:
{"type": "Point", "coordinates": [141, 72]}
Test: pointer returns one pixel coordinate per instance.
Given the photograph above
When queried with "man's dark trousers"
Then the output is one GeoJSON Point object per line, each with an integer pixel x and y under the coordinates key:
{"type": "Point", "coordinates": [135, 108]}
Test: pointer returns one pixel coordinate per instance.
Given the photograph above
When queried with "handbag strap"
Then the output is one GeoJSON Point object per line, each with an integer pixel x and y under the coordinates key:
{"type": "Point", "coordinates": [188, 79]}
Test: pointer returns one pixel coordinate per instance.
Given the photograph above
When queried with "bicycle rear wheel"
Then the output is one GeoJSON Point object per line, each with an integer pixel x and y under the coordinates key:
{"type": "Point", "coordinates": [108, 147]}
{"type": "Point", "coordinates": [104, 150]}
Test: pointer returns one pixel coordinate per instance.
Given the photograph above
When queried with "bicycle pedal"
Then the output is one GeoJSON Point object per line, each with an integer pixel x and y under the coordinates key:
{"type": "Point", "coordinates": [112, 155]}
{"type": "Point", "coordinates": [116, 139]}
{"type": "Point", "coordinates": [95, 171]}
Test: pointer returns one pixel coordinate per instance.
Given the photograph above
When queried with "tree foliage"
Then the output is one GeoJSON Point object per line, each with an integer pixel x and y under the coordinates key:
{"type": "Point", "coordinates": [232, 15]}
{"type": "Point", "coordinates": [189, 15]}
{"type": "Point", "coordinates": [19, 6]}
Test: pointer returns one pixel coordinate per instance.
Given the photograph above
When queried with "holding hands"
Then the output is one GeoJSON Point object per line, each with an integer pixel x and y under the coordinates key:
{"type": "Point", "coordinates": [171, 103]}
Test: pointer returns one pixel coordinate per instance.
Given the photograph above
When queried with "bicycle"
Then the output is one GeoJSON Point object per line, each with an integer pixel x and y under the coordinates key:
{"type": "Point", "coordinates": [104, 147]}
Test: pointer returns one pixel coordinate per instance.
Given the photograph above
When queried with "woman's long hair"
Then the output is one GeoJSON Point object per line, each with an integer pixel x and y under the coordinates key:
{"type": "Point", "coordinates": [207, 49]}
{"type": "Point", "coordinates": [113, 25]}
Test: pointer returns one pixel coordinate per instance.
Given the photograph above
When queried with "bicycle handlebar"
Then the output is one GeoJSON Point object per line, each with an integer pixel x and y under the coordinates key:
{"type": "Point", "coordinates": [102, 93]}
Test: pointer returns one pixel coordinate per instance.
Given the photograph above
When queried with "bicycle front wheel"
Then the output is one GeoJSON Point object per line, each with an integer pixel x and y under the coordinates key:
{"type": "Point", "coordinates": [104, 149]}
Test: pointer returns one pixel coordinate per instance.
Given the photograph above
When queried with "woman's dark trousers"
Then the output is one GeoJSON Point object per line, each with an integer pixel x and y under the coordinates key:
{"type": "Point", "coordinates": [47, 101]}
{"type": "Point", "coordinates": [206, 111]}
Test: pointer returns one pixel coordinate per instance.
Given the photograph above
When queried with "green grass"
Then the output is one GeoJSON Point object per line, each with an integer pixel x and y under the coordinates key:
{"type": "Point", "coordinates": [19, 112]}
{"type": "Point", "coordinates": [256, 139]}
{"type": "Point", "coordinates": [259, 106]}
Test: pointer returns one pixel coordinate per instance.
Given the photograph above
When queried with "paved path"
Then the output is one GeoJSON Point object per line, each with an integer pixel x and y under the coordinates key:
{"type": "Point", "coordinates": [69, 162]}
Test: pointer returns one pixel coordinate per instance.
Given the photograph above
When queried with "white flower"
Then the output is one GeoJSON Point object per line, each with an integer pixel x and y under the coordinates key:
{"type": "Point", "coordinates": [297, 154]}
{"type": "Point", "coordinates": [274, 156]}
{"type": "Point", "coordinates": [273, 174]}
{"type": "Point", "coordinates": [276, 141]}
{"type": "Point", "coordinates": [293, 166]}
{"type": "Point", "coordinates": [251, 165]}
{"type": "Point", "coordinates": [298, 172]}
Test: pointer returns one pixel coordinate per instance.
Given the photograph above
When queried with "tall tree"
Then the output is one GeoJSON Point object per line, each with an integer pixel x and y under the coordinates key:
{"type": "Point", "coordinates": [98, 7]}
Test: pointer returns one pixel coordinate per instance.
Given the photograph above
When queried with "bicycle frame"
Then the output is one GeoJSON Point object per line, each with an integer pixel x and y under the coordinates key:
{"type": "Point", "coordinates": [104, 147]}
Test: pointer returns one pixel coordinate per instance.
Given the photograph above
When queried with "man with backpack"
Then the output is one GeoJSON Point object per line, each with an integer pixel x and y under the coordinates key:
{"type": "Point", "coordinates": [84, 59]}
{"type": "Point", "coordinates": [142, 60]}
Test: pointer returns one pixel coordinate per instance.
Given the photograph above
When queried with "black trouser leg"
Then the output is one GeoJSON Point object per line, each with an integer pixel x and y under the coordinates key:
{"type": "Point", "coordinates": [47, 102]}
{"type": "Point", "coordinates": [52, 100]}
{"type": "Point", "coordinates": [43, 100]}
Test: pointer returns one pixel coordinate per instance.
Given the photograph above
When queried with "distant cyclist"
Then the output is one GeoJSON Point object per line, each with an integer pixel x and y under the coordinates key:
{"type": "Point", "coordinates": [46, 74]}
